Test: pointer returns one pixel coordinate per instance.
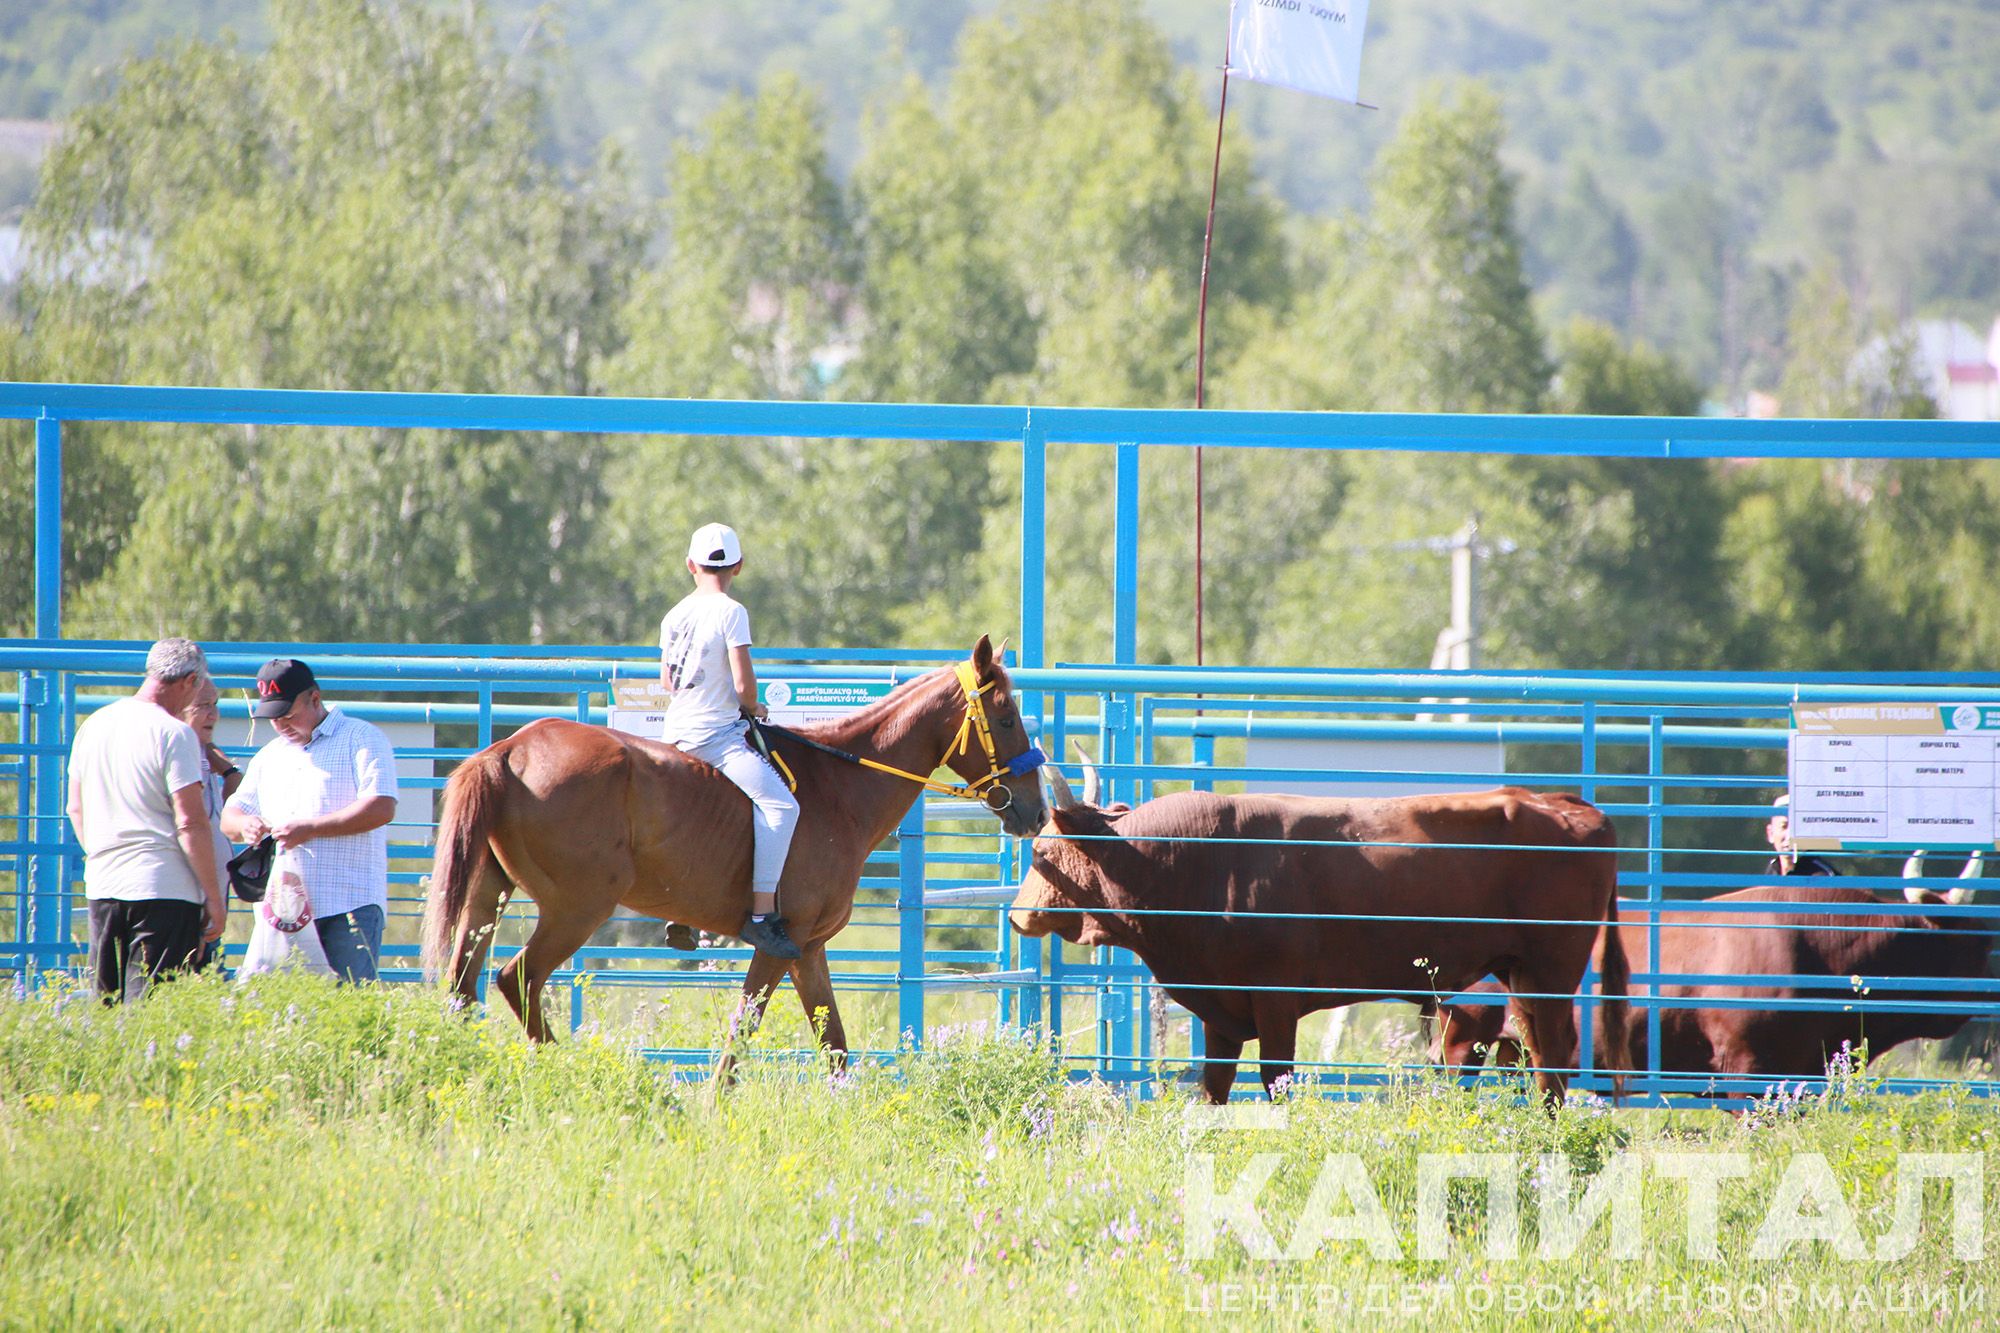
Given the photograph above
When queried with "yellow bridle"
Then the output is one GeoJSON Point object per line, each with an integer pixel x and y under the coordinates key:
{"type": "Point", "coordinates": [974, 723]}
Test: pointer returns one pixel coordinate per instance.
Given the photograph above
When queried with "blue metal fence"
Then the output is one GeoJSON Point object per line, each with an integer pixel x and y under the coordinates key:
{"type": "Point", "coordinates": [1631, 743]}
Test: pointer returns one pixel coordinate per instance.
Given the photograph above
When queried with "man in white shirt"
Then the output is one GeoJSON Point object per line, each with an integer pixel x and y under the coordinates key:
{"type": "Point", "coordinates": [326, 790]}
{"type": "Point", "coordinates": [135, 801]}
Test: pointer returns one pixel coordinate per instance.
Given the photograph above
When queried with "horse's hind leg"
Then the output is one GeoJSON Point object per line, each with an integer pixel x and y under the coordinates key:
{"type": "Point", "coordinates": [474, 939]}
{"type": "Point", "coordinates": [815, 987]}
{"type": "Point", "coordinates": [555, 939]}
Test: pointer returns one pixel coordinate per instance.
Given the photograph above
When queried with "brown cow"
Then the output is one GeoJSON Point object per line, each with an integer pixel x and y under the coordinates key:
{"type": "Point", "coordinates": [1254, 870]}
{"type": "Point", "coordinates": [1777, 1043]}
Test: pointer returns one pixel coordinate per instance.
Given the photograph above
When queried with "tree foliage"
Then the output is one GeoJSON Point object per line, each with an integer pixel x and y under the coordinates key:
{"type": "Point", "coordinates": [364, 204]}
{"type": "Point", "coordinates": [369, 197]}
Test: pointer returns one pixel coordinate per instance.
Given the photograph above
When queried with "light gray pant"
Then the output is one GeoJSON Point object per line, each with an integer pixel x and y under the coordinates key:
{"type": "Point", "coordinates": [777, 814]}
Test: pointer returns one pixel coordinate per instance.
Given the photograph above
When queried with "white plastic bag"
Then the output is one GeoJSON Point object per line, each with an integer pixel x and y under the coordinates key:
{"type": "Point", "coordinates": [284, 930]}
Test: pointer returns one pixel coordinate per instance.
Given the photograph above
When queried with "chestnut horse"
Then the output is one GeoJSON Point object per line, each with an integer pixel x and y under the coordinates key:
{"type": "Point", "coordinates": [586, 820]}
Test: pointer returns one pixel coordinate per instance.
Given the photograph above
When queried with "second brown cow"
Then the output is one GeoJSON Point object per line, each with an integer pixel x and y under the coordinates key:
{"type": "Point", "coordinates": [1781, 1041]}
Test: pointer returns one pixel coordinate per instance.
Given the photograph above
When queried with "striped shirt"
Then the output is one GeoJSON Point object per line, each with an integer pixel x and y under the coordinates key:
{"type": "Point", "coordinates": [345, 761]}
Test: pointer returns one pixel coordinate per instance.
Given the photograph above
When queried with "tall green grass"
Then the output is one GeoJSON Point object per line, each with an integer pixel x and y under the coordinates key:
{"type": "Point", "coordinates": [286, 1154]}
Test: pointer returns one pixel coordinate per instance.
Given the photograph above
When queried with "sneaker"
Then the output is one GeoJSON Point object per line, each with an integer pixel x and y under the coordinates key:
{"type": "Point", "coordinates": [681, 936]}
{"type": "Point", "coordinates": [768, 936]}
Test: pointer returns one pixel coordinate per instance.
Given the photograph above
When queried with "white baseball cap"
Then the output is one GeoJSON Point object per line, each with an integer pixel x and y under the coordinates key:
{"type": "Point", "coordinates": [715, 545]}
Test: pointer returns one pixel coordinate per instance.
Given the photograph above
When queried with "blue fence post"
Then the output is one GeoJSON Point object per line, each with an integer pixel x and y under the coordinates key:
{"type": "Point", "coordinates": [48, 528]}
{"type": "Point", "coordinates": [1034, 545]}
{"type": "Point", "coordinates": [1586, 1037]}
{"type": "Point", "coordinates": [1125, 564]}
{"type": "Point", "coordinates": [910, 926]}
{"type": "Point", "coordinates": [1032, 650]}
{"type": "Point", "coordinates": [1121, 1000]}
{"type": "Point", "coordinates": [1656, 795]}
{"type": "Point", "coordinates": [46, 833]}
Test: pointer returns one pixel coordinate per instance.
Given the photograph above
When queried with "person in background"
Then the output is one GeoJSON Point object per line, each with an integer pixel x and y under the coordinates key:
{"type": "Point", "coordinates": [1778, 832]}
{"type": "Point", "coordinates": [325, 788]}
{"type": "Point", "coordinates": [219, 780]}
{"type": "Point", "coordinates": [150, 870]}
{"type": "Point", "coordinates": [1788, 862]}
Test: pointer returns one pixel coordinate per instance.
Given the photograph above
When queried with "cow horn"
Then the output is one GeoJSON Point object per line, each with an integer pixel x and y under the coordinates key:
{"type": "Point", "coordinates": [1092, 787]}
{"type": "Point", "coordinates": [1059, 789]}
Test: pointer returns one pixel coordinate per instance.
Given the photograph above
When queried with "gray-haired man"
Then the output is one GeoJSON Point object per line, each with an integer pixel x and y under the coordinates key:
{"type": "Point", "coordinates": [135, 800]}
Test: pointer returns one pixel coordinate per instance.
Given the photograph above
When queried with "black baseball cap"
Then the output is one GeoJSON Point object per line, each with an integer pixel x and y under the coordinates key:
{"type": "Point", "coordinates": [280, 682]}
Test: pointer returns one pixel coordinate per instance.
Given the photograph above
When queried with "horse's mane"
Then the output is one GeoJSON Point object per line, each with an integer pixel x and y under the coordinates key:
{"type": "Point", "coordinates": [882, 715]}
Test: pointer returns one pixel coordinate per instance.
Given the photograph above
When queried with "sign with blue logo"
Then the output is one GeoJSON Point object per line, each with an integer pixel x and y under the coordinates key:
{"type": "Point", "coordinates": [1895, 775]}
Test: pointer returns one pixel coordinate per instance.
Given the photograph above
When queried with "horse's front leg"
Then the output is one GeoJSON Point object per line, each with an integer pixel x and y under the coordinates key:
{"type": "Point", "coordinates": [759, 980]}
{"type": "Point", "coordinates": [814, 984]}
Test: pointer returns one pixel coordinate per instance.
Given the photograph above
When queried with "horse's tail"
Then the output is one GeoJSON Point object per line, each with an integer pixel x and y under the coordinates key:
{"type": "Point", "coordinates": [471, 808]}
{"type": "Point", "coordinates": [1614, 1015]}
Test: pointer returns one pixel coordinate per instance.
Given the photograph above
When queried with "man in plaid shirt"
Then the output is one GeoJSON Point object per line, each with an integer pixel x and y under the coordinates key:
{"type": "Point", "coordinates": [326, 790]}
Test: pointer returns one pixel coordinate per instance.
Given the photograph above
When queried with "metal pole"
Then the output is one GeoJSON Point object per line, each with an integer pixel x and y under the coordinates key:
{"type": "Point", "coordinates": [1117, 1007]}
{"type": "Point", "coordinates": [910, 927]}
{"type": "Point", "coordinates": [48, 528]}
{"type": "Point", "coordinates": [47, 833]}
{"type": "Point", "coordinates": [1656, 799]}
{"type": "Point", "coordinates": [1125, 565]}
{"type": "Point", "coordinates": [1034, 600]}
{"type": "Point", "coordinates": [1465, 596]}
{"type": "Point", "coordinates": [1034, 544]}
{"type": "Point", "coordinates": [1201, 347]}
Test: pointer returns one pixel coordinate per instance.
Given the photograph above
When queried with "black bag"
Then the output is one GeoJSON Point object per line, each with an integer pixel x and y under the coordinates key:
{"type": "Point", "coordinates": [250, 869]}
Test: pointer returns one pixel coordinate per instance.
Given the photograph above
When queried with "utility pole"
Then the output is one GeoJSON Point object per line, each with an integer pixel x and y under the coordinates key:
{"type": "Point", "coordinates": [1458, 642]}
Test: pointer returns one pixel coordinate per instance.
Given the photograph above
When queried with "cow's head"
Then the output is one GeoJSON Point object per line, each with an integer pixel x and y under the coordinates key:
{"type": "Point", "coordinates": [1067, 889]}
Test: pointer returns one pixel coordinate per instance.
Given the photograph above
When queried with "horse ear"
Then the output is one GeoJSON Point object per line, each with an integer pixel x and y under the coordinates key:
{"type": "Point", "coordinates": [982, 655]}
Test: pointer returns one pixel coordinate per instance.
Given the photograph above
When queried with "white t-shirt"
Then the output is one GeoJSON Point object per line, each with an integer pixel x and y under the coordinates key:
{"type": "Point", "coordinates": [695, 639]}
{"type": "Point", "coordinates": [129, 759]}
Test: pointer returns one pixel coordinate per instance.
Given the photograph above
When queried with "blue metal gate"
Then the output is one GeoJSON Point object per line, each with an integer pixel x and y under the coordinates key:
{"type": "Point", "coordinates": [1628, 742]}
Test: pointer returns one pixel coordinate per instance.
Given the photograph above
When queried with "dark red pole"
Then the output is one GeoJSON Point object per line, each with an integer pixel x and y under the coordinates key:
{"type": "Point", "coordinates": [1201, 348]}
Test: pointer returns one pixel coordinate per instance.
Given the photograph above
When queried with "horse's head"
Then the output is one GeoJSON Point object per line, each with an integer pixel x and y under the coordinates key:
{"type": "Point", "coordinates": [999, 750]}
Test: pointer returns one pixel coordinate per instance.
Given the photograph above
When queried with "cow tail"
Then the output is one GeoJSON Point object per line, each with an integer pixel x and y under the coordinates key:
{"type": "Point", "coordinates": [471, 808]}
{"type": "Point", "coordinates": [1614, 1015]}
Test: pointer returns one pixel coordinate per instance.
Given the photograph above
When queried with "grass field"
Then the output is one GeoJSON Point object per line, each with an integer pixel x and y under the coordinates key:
{"type": "Point", "coordinates": [283, 1154]}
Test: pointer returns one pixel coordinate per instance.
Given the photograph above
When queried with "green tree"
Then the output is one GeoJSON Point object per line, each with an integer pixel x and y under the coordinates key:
{"type": "Point", "coordinates": [753, 299]}
{"type": "Point", "coordinates": [366, 204]}
{"type": "Point", "coordinates": [759, 260]}
{"type": "Point", "coordinates": [1598, 375]}
{"type": "Point", "coordinates": [1822, 340]}
{"type": "Point", "coordinates": [1091, 152]}
{"type": "Point", "coordinates": [944, 315]}
{"type": "Point", "coordinates": [1841, 364]}
{"type": "Point", "coordinates": [1443, 320]}
{"type": "Point", "coordinates": [1584, 255]}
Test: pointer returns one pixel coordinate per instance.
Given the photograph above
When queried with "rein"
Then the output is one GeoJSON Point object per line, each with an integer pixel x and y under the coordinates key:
{"type": "Point", "coordinates": [981, 789]}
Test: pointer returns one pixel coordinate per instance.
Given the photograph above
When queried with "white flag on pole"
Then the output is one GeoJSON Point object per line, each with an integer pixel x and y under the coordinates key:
{"type": "Point", "coordinates": [1311, 45]}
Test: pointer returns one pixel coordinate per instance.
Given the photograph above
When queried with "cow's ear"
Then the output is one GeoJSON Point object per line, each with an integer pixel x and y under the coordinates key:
{"type": "Point", "coordinates": [982, 656]}
{"type": "Point", "coordinates": [1061, 820]}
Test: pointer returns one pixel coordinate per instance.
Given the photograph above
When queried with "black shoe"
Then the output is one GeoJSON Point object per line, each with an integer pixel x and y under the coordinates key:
{"type": "Point", "coordinates": [768, 936]}
{"type": "Point", "coordinates": [680, 936]}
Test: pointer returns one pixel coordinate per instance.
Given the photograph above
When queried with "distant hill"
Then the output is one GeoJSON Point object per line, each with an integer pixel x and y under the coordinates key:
{"type": "Point", "coordinates": [1683, 162]}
